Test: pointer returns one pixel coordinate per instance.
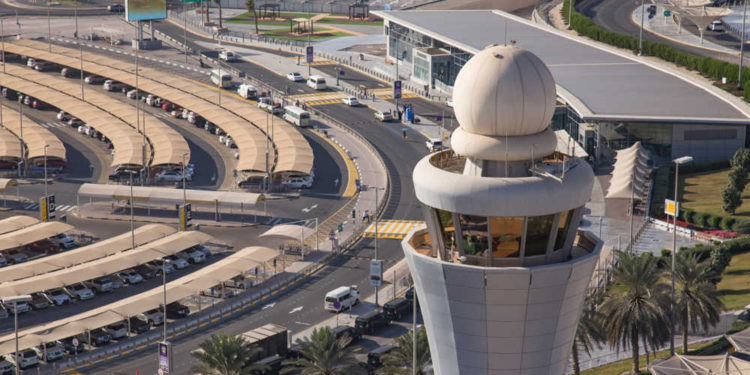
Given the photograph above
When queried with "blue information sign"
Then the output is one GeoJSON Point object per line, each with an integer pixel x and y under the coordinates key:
{"type": "Point", "coordinates": [397, 89]}
{"type": "Point", "coordinates": [309, 54]}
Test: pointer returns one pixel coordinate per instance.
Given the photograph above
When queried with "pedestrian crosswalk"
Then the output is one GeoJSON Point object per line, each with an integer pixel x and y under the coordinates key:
{"type": "Point", "coordinates": [316, 62]}
{"type": "Point", "coordinates": [392, 229]}
{"type": "Point", "coordinates": [60, 208]}
{"type": "Point", "coordinates": [50, 125]}
{"type": "Point", "coordinates": [386, 93]}
{"type": "Point", "coordinates": [274, 221]}
{"type": "Point", "coordinates": [319, 98]}
{"type": "Point", "coordinates": [162, 114]}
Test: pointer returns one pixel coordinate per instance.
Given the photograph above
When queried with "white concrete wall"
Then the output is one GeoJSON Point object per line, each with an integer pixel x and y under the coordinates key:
{"type": "Point", "coordinates": [705, 150]}
{"type": "Point", "coordinates": [500, 321]}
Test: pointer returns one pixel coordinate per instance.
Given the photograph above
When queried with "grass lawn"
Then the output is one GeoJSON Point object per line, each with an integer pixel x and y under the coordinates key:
{"type": "Point", "coordinates": [283, 34]}
{"type": "Point", "coordinates": [619, 367]}
{"type": "Point", "coordinates": [343, 21]}
{"type": "Point", "coordinates": [702, 192]}
{"type": "Point", "coordinates": [734, 287]}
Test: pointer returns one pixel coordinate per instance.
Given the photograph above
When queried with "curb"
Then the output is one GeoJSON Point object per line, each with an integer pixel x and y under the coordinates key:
{"type": "Point", "coordinates": [14, 4]}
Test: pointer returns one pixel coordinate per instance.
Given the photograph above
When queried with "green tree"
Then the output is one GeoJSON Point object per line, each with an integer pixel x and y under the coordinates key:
{"type": "Point", "coordinates": [399, 360]}
{"type": "Point", "coordinates": [250, 5]}
{"type": "Point", "coordinates": [218, 2]}
{"type": "Point", "coordinates": [225, 354]}
{"type": "Point", "coordinates": [589, 334]}
{"type": "Point", "coordinates": [741, 159]}
{"type": "Point", "coordinates": [636, 306]}
{"type": "Point", "coordinates": [731, 199]}
{"type": "Point", "coordinates": [323, 354]}
{"type": "Point", "coordinates": [697, 301]}
{"type": "Point", "coordinates": [737, 178]}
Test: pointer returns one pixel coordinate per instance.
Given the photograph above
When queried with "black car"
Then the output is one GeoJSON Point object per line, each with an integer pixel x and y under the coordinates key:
{"type": "Point", "coordinates": [396, 308]}
{"type": "Point", "coordinates": [370, 322]}
{"type": "Point", "coordinates": [295, 352]}
{"type": "Point", "coordinates": [9, 94]}
{"type": "Point", "coordinates": [409, 294]}
{"type": "Point", "coordinates": [116, 8]}
{"type": "Point", "coordinates": [70, 348]}
{"type": "Point", "coordinates": [341, 331]}
{"type": "Point", "coordinates": [139, 326]}
{"type": "Point", "coordinates": [375, 357]}
{"type": "Point", "coordinates": [148, 272]}
{"type": "Point", "coordinates": [176, 310]}
{"type": "Point", "coordinates": [274, 364]}
{"type": "Point", "coordinates": [98, 337]}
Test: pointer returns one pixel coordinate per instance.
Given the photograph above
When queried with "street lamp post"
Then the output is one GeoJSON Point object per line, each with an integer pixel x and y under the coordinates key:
{"type": "Point", "coordinates": [14, 301]}
{"type": "Point", "coordinates": [184, 191]}
{"type": "Point", "coordinates": [164, 262]}
{"type": "Point", "coordinates": [132, 226]}
{"type": "Point", "coordinates": [375, 215]}
{"type": "Point", "coordinates": [22, 165]}
{"type": "Point", "coordinates": [677, 162]}
{"type": "Point", "coordinates": [742, 41]}
{"type": "Point", "coordinates": [45, 170]}
{"type": "Point", "coordinates": [640, 34]}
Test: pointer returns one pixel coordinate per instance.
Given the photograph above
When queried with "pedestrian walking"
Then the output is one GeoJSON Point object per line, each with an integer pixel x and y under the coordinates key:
{"type": "Point", "coordinates": [336, 183]}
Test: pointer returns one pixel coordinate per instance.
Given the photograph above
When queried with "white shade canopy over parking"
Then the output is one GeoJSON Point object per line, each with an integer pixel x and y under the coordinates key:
{"type": "Point", "coordinates": [15, 223]}
{"type": "Point", "coordinates": [34, 136]}
{"type": "Point", "coordinates": [163, 247]}
{"type": "Point", "coordinates": [740, 341]}
{"type": "Point", "coordinates": [168, 145]}
{"type": "Point", "coordinates": [701, 365]}
{"type": "Point", "coordinates": [629, 173]}
{"type": "Point", "coordinates": [10, 147]}
{"type": "Point", "coordinates": [31, 234]}
{"type": "Point", "coordinates": [113, 245]}
{"type": "Point", "coordinates": [225, 269]}
{"type": "Point", "coordinates": [164, 195]}
{"type": "Point", "coordinates": [289, 232]}
{"type": "Point", "coordinates": [292, 153]}
{"type": "Point", "coordinates": [125, 140]}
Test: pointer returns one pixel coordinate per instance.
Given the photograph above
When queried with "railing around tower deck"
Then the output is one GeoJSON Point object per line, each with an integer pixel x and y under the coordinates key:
{"type": "Point", "coordinates": [583, 244]}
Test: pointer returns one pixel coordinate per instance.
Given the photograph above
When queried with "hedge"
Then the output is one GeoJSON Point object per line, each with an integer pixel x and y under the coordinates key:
{"type": "Point", "coordinates": [713, 68]}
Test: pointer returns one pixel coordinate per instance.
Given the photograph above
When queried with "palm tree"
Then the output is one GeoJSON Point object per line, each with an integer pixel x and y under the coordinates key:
{"type": "Point", "coordinates": [323, 354]}
{"type": "Point", "coordinates": [218, 2]}
{"type": "Point", "coordinates": [696, 298]}
{"type": "Point", "coordinates": [250, 5]}
{"type": "Point", "coordinates": [225, 354]}
{"type": "Point", "coordinates": [589, 333]}
{"type": "Point", "coordinates": [399, 360]}
{"type": "Point", "coordinates": [637, 305]}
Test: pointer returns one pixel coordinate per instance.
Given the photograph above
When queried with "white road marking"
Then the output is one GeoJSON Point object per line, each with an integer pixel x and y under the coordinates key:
{"type": "Point", "coordinates": [269, 306]}
{"type": "Point", "coordinates": [298, 308]}
{"type": "Point", "coordinates": [302, 323]}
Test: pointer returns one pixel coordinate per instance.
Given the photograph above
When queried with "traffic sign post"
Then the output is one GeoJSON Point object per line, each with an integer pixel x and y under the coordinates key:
{"type": "Point", "coordinates": [376, 273]}
{"type": "Point", "coordinates": [396, 90]}
{"type": "Point", "coordinates": [186, 216]}
{"type": "Point", "coordinates": [47, 207]}
{"type": "Point", "coordinates": [309, 60]}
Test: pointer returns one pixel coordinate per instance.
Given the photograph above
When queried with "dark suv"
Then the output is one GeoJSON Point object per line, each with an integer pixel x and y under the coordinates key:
{"type": "Point", "coordinates": [342, 331]}
{"type": "Point", "coordinates": [370, 322]}
{"type": "Point", "coordinates": [396, 308]}
{"type": "Point", "coordinates": [375, 357]}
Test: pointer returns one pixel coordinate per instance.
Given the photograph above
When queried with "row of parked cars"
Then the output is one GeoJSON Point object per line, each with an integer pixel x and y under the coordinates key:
{"type": "Point", "coordinates": [138, 324]}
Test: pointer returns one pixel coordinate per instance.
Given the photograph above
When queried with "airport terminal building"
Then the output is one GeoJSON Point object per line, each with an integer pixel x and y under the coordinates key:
{"type": "Point", "coordinates": [601, 91]}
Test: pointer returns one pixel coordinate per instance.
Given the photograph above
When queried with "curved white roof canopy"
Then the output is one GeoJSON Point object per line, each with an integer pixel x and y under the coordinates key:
{"type": "Point", "coordinates": [289, 232]}
{"type": "Point", "coordinates": [701, 365]}
{"type": "Point", "coordinates": [167, 195]}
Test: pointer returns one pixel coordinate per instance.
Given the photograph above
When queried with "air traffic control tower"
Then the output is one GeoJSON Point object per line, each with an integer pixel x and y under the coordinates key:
{"type": "Point", "coordinates": [501, 271]}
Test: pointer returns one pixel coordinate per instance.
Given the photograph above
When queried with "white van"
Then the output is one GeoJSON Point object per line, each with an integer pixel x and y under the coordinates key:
{"type": "Point", "coordinates": [317, 82]}
{"type": "Point", "coordinates": [227, 56]}
{"type": "Point", "coordinates": [297, 116]}
{"type": "Point", "coordinates": [247, 91]}
{"type": "Point", "coordinates": [221, 78]}
{"type": "Point", "coordinates": [341, 298]}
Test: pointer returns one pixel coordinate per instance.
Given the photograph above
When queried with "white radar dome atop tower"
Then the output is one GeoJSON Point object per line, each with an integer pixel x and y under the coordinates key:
{"type": "Point", "coordinates": [504, 91]}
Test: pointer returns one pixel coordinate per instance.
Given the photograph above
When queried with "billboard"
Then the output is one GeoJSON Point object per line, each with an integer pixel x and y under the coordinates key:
{"type": "Point", "coordinates": [142, 10]}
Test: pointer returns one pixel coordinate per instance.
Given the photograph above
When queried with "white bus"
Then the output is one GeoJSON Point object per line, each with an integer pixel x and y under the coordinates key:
{"type": "Point", "coordinates": [221, 78]}
{"type": "Point", "coordinates": [316, 82]}
{"type": "Point", "coordinates": [297, 116]}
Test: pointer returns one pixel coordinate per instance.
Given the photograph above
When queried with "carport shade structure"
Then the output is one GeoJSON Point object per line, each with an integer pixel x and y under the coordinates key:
{"type": "Point", "coordinates": [31, 234]}
{"type": "Point", "coordinates": [10, 146]}
{"type": "Point", "coordinates": [161, 248]}
{"type": "Point", "coordinates": [164, 195]}
{"type": "Point", "coordinates": [740, 341]}
{"type": "Point", "coordinates": [725, 364]}
{"type": "Point", "coordinates": [113, 245]}
{"type": "Point", "coordinates": [15, 223]}
{"type": "Point", "coordinates": [34, 137]}
{"type": "Point", "coordinates": [167, 144]}
{"type": "Point", "coordinates": [292, 232]}
{"type": "Point", "coordinates": [225, 269]}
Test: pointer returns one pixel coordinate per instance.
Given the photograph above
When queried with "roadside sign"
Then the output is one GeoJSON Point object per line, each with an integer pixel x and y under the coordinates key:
{"type": "Point", "coordinates": [309, 54]}
{"type": "Point", "coordinates": [336, 305]}
{"type": "Point", "coordinates": [397, 89]}
{"type": "Point", "coordinates": [376, 272]}
{"type": "Point", "coordinates": [341, 72]}
{"type": "Point", "coordinates": [165, 357]}
{"type": "Point", "coordinates": [331, 235]}
{"type": "Point", "coordinates": [667, 13]}
{"type": "Point", "coordinates": [47, 207]}
{"type": "Point", "coordinates": [76, 341]}
{"type": "Point", "coordinates": [186, 216]}
{"type": "Point", "coordinates": [669, 207]}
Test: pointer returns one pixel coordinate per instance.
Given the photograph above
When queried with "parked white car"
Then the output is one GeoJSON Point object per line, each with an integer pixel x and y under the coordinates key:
{"type": "Point", "coordinates": [63, 116]}
{"type": "Point", "coordinates": [80, 292]}
{"type": "Point", "coordinates": [172, 176]}
{"type": "Point", "coordinates": [130, 277]}
{"type": "Point", "coordinates": [298, 183]}
{"type": "Point", "coordinates": [434, 144]}
{"type": "Point", "coordinates": [193, 256]}
{"type": "Point", "coordinates": [49, 352]}
{"type": "Point", "coordinates": [58, 296]}
{"type": "Point", "coordinates": [22, 307]}
{"type": "Point", "coordinates": [294, 76]}
{"type": "Point", "coordinates": [350, 101]}
{"type": "Point", "coordinates": [64, 241]}
{"type": "Point", "coordinates": [153, 316]}
{"type": "Point", "coordinates": [177, 262]}
{"type": "Point", "coordinates": [227, 56]}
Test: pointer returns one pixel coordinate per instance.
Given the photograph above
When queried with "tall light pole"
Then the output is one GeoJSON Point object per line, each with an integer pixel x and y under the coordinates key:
{"type": "Point", "coordinates": [640, 34]}
{"type": "Point", "coordinates": [75, 11]}
{"type": "Point", "coordinates": [2, 40]}
{"type": "Point", "coordinates": [570, 14]}
{"type": "Point", "coordinates": [414, 332]}
{"type": "Point", "coordinates": [677, 162]}
{"type": "Point", "coordinates": [164, 262]}
{"type": "Point", "coordinates": [49, 30]}
{"type": "Point", "coordinates": [81, 57]}
{"type": "Point", "coordinates": [23, 146]}
{"type": "Point", "coordinates": [14, 301]}
{"type": "Point", "coordinates": [184, 192]}
{"type": "Point", "coordinates": [375, 215]}
{"type": "Point", "coordinates": [742, 41]}
{"type": "Point", "coordinates": [132, 217]}
{"type": "Point", "coordinates": [45, 170]}
{"type": "Point", "coordinates": [184, 14]}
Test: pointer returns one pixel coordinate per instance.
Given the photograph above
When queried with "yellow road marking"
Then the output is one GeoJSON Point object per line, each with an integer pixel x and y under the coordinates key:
{"type": "Point", "coordinates": [351, 188]}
